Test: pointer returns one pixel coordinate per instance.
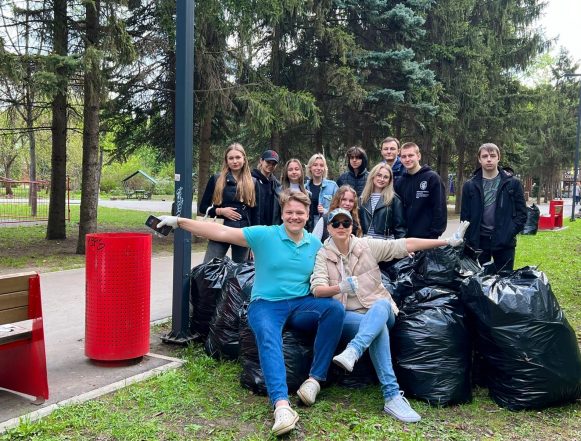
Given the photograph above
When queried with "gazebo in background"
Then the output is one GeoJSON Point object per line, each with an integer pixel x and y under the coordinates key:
{"type": "Point", "coordinates": [139, 185]}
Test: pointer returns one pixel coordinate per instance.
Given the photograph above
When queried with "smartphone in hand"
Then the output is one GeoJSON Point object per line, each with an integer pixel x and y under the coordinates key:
{"type": "Point", "coordinates": [152, 222]}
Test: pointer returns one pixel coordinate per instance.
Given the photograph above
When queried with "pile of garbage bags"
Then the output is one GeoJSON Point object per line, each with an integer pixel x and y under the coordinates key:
{"type": "Point", "coordinates": [453, 314]}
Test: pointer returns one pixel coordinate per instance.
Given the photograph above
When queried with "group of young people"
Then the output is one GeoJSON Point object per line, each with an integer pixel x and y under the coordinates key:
{"type": "Point", "coordinates": [333, 289]}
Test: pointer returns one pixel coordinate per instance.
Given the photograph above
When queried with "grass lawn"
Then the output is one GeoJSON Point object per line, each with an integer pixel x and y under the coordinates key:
{"type": "Point", "coordinates": [204, 399]}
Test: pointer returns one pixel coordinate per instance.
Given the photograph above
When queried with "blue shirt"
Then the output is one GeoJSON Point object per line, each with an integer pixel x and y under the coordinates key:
{"type": "Point", "coordinates": [283, 267]}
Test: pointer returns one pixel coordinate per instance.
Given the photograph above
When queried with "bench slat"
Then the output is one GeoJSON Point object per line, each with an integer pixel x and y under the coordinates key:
{"type": "Point", "coordinates": [13, 300]}
{"type": "Point", "coordinates": [15, 332]}
{"type": "Point", "coordinates": [14, 315]}
{"type": "Point", "coordinates": [15, 282]}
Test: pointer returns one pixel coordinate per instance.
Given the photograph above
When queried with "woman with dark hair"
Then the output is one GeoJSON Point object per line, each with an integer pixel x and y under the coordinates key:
{"type": "Point", "coordinates": [231, 196]}
{"type": "Point", "coordinates": [345, 198]}
{"type": "Point", "coordinates": [356, 175]}
{"type": "Point", "coordinates": [381, 210]}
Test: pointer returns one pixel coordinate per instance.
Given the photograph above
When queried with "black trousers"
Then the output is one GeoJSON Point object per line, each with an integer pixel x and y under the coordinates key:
{"type": "Point", "coordinates": [503, 258]}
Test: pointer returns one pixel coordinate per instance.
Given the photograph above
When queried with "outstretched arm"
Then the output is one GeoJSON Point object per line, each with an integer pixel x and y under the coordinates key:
{"type": "Point", "coordinates": [415, 244]}
{"type": "Point", "coordinates": [208, 230]}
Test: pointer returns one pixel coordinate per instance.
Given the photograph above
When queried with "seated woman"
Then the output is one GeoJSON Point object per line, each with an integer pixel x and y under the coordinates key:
{"type": "Point", "coordinates": [346, 268]}
{"type": "Point", "coordinates": [345, 198]}
{"type": "Point", "coordinates": [284, 257]}
{"type": "Point", "coordinates": [381, 209]}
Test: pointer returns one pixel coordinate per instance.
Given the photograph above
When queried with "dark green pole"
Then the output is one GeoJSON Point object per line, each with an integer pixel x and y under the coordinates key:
{"type": "Point", "coordinates": [576, 161]}
{"type": "Point", "coordinates": [184, 121]}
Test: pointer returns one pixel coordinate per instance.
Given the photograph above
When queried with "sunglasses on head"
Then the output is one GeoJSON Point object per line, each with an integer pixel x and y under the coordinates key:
{"type": "Point", "coordinates": [345, 223]}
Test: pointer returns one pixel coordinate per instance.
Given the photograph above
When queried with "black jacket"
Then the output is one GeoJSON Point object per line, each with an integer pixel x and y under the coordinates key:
{"type": "Point", "coordinates": [355, 181]}
{"type": "Point", "coordinates": [267, 198]}
{"type": "Point", "coordinates": [249, 214]}
{"type": "Point", "coordinates": [424, 203]}
{"type": "Point", "coordinates": [510, 214]}
{"type": "Point", "coordinates": [387, 220]}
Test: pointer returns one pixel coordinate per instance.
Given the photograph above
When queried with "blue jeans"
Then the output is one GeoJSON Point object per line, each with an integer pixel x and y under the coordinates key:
{"type": "Point", "coordinates": [370, 330]}
{"type": "Point", "coordinates": [307, 314]}
{"type": "Point", "coordinates": [219, 249]}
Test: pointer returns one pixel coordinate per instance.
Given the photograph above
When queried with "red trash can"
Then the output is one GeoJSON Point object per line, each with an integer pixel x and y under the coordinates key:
{"type": "Point", "coordinates": [118, 283]}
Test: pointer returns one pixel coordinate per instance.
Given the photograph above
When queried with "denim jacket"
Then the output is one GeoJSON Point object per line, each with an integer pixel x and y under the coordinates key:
{"type": "Point", "coordinates": [328, 190]}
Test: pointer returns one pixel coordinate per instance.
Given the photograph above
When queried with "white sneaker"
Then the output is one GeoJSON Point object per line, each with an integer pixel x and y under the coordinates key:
{"type": "Point", "coordinates": [346, 359]}
{"type": "Point", "coordinates": [285, 420]}
{"type": "Point", "coordinates": [399, 408]}
{"type": "Point", "coordinates": [308, 391]}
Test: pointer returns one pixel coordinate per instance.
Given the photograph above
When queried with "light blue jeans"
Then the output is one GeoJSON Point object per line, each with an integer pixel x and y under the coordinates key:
{"type": "Point", "coordinates": [371, 330]}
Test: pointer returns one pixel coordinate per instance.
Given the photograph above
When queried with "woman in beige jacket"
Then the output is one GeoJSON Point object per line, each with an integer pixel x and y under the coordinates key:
{"type": "Point", "coordinates": [346, 268]}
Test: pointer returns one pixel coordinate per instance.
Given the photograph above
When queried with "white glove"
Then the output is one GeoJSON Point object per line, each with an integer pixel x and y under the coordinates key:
{"type": "Point", "coordinates": [458, 237]}
{"type": "Point", "coordinates": [172, 221]}
{"type": "Point", "coordinates": [349, 285]}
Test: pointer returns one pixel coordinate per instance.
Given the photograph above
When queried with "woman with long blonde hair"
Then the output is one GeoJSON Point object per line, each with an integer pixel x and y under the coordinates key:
{"type": "Point", "coordinates": [230, 195]}
{"type": "Point", "coordinates": [381, 210]}
{"type": "Point", "coordinates": [292, 176]}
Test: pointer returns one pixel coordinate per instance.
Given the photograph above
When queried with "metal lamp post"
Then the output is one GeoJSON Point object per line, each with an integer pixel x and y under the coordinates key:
{"type": "Point", "coordinates": [184, 121]}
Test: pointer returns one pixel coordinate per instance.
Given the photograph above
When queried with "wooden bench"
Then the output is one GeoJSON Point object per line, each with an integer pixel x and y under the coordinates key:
{"type": "Point", "coordinates": [22, 352]}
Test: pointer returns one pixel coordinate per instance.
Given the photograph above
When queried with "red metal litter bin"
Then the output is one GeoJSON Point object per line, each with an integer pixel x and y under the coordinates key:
{"type": "Point", "coordinates": [118, 282]}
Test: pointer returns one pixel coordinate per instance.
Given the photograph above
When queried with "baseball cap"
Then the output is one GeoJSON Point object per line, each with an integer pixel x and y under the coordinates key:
{"type": "Point", "coordinates": [337, 212]}
{"type": "Point", "coordinates": [270, 155]}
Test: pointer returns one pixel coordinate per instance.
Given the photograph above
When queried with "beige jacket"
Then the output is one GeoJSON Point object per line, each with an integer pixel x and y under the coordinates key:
{"type": "Point", "coordinates": [361, 261]}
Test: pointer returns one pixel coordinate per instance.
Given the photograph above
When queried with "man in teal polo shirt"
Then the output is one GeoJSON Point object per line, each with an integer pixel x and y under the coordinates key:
{"type": "Point", "coordinates": [284, 260]}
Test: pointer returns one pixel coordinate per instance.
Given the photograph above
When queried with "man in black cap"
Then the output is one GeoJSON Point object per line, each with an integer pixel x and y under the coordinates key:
{"type": "Point", "coordinates": [268, 188]}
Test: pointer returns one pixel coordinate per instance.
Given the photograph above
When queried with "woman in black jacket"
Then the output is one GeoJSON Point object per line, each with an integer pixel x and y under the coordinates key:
{"type": "Point", "coordinates": [231, 196]}
{"type": "Point", "coordinates": [381, 210]}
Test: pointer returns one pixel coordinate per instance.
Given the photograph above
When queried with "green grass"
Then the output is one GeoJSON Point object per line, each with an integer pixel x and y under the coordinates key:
{"type": "Point", "coordinates": [558, 254]}
{"type": "Point", "coordinates": [204, 399]}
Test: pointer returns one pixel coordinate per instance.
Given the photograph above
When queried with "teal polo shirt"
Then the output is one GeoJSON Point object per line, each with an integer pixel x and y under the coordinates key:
{"type": "Point", "coordinates": [283, 267]}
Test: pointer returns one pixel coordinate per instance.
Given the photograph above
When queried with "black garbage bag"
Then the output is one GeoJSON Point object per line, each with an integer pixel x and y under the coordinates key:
{"type": "Point", "coordinates": [207, 280]}
{"type": "Point", "coordinates": [431, 348]}
{"type": "Point", "coordinates": [532, 224]}
{"type": "Point", "coordinates": [435, 267]}
{"type": "Point", "coordinates": [297, 349]}
{"type": "Point", "coordinates": [398, 279]}
{"type": "Point", "coordinates": [530, 351]}
{"type": "Point", "coordinates": [223, 340]}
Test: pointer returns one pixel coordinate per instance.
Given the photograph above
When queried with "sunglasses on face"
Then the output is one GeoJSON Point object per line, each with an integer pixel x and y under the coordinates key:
{"type": "Point", "coordinates": [344, 223]}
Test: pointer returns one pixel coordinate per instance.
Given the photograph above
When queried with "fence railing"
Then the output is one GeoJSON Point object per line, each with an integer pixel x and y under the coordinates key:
{"type": "Point", "coordinates": [26, 201]}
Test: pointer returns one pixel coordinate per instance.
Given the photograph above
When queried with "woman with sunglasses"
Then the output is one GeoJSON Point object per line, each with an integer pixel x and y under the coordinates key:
{"type": "Point", "coordinates": [230, 195]}
{"type": "Point", "coordinates": [381, 210]}
{"type": "Point", "coordinates": [346, 268]}
{"type": "Point", "coordinates": [345, 198]}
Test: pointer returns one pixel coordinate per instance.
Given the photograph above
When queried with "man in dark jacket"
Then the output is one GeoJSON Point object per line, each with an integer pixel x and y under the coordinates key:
{"type": "Point", "coordinates": [268, 188]}
{"type": "Point", "coordinates": [390, 149]}
{"type": "Point", "coordinates": [356, 176]}
{"type": "Point", "coordinates": [493, 201]}
{"type": "Point", "coordinates": [423, 196]}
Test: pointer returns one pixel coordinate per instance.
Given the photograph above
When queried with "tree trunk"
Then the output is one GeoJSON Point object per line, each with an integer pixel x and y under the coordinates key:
{"type": "Point", "coordinates": [461, 148]}
{"type": "Point", "coordinates": [32, 191]}
{"type": "Point", "coordinates": [91, 105]}
{"type": "Point", "coordinates": [56, 228]}
{"type": "Point", "coordinates": [275, 135]}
